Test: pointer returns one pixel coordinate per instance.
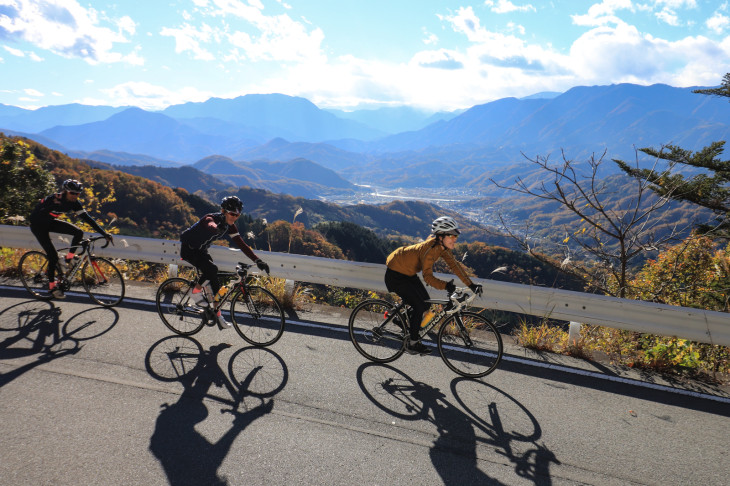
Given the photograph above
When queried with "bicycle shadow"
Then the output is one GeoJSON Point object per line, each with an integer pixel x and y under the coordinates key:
{"type": "Point", "coordinates": [510, 427]}
{"type": "Point", "coordinates": [35, 328]}
{"type": "Point", "coordinates": [454, 453]}
{"type": "Point", "coordinates": [187, 456]}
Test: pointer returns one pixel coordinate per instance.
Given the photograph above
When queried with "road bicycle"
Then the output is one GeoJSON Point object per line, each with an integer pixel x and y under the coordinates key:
{"type": "Point", "coordinates": [98, 276]}
{"type": "Point", "coordinates": [255, 312]}
{"type": "Point", "coordinates": [468, 342]}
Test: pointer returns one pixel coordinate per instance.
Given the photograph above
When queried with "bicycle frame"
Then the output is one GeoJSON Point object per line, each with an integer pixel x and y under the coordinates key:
{"type": "Point", "coordinates": [86, 246]}
{"type": "Point", "coordinates": [240, 283]}
{"type": "Point", "coordinates": [453, 306]}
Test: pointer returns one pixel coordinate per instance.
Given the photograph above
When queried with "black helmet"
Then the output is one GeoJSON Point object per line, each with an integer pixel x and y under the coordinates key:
{"type": "Point", "coordinates": [445, 225]}
{"type": "Point", "coordinates": [71, 185]}
{"type": "Point", "coordinates": [232, 204]}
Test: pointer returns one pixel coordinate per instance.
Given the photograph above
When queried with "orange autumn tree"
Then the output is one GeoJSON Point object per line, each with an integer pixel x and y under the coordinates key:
{"type": "Point", "coordinates": [694, 273]}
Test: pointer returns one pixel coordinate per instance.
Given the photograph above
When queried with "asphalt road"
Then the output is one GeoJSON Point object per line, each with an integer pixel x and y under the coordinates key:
{"type": "Point", "coordinates": [90, 396]}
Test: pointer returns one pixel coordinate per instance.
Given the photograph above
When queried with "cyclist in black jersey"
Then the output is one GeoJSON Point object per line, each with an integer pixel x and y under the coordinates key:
{"type": "Point", "coordinates": [196, 240]}
{"type": "Point", "coordinates": [43, 220]}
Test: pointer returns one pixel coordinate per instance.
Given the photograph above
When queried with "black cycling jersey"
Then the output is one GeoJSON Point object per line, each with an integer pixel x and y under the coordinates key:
{"type": "Point", "coordinates": [213, 227]}
{"type": "Point", "coordinates": [51, 207]}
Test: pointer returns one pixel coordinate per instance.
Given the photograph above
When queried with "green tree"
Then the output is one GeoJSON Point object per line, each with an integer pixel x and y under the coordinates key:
{"type": "Point", "coordinates": [709, 189]}
{"type": "Point", "coordinates": [23, 178]}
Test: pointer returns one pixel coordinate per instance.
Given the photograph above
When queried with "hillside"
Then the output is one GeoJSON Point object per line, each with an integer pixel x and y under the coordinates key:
{"type": "Point", "coordinates": [148, 208]}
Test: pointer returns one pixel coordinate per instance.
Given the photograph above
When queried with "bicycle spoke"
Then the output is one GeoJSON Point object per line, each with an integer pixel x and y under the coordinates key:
{"type": "Point", "coordinates": [32, 269]}
{"type": "Point", "coordinates": [471, 346]}
{"type": "Point", "coordinates": [103, 281]}
{"type": "Point", "coordinates": [373, 337]}
{"type": "Point", "coordinates": [176, 309]}
{"type": "Point", "coordinates": [257, 316]}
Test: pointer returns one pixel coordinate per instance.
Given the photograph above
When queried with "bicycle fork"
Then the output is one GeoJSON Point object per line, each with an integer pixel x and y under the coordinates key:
{"type": "Point", "coordinates": [462, 331]}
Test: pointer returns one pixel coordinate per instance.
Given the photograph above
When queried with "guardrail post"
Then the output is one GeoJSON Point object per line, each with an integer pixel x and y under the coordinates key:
{"type": "Point", "coordinates": [574, 333]}
{"type": "Point", "coordinates": [172, 270]}
{"type": "Point", "coordinates": [289, 288]}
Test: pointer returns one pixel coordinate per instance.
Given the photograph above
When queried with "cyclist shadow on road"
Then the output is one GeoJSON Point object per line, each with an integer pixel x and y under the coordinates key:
{"type": "Point", "coordinates": [35, 328]}
{"type": "Point", "coordinates": [186, 455]}
{"type": "Point", "coordinates": [461, 430]}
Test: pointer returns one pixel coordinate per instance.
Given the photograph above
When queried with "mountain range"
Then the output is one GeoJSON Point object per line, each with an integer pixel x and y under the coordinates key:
{"type": "Point", "coordinates": [251, 139]}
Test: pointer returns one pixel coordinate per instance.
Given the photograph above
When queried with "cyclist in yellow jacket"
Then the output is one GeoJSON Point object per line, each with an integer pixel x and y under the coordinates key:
{"type": "Point", "coordinates": [406, 262]}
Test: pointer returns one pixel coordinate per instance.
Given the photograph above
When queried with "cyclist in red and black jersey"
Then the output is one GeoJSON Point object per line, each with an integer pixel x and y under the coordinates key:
{"type": "Point", "coordinates": [43, 220]}
{"type": "Point", "coordinates": [196, 240]}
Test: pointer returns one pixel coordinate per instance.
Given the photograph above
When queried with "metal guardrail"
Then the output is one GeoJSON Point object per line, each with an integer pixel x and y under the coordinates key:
{"type": "Point", "coordinates": [646, 317]}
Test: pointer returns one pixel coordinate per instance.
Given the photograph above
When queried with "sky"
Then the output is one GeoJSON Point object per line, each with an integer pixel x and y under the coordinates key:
{"type": "Point", "coordinates": [435, 55]}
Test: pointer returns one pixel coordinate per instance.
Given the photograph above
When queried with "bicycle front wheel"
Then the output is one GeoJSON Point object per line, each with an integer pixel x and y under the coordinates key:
{"type": "Point", "coordinates": [176, 307]}
{"type": "Point", "coordinates": [257, 316]}
{"type": "Point", "coordinates": [32, 269]}
{"type": "Point", "coordinates": [103, 281]}
{"type": "Point", "coordinates": [374, 338]}
{"type": "Point", "coordinates": [470, 344]}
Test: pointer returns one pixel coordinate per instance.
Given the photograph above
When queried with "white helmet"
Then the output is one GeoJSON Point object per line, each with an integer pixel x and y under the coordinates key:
{"type": "Point", "coordinates": [445, 225]}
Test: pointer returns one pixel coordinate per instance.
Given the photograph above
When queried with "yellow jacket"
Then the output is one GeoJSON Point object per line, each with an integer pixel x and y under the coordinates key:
{"type": "Point", "coordinates": [409, 260]}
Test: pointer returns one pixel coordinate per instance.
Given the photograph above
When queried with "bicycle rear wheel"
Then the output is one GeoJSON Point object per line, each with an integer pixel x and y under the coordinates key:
{"type": "Point", "coordinates": [176, 308]}
{"type": "Point", "coordinates": [470, 344]}
{"type": "Point", "coordinates": [257, 316]}
{"type": "Point", "coordinates": [103, 281]}
{"type": "Point", "coordinates": [32, 268]}
{"type": "Point", "coordinates": [374, 338]}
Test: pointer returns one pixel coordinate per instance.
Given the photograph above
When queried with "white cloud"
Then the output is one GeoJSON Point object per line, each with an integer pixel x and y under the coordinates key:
{"type": "Point", "coordinates": [190, 38]}
{"type": "Point", "coordinates": [668, 17]}
{"type": "Point", "coordinates": [718, 23]}
{"type": "Point", "coordinates": [241, 31]}
{"type": "Point", "coordinates": [505, 6]}
{"type": "Point", "coordinates": [147, 96]}
{"type": "Point", "coordinates": [280, 39]}
{"type": "Point", "coordinates": [512, 27]}
{"type": "Point", "coordinates": [603, 13]}
{"type": "Point", "coordinates": [623, 54]}
{"type": "Point", "coordinates": [33, 92]}
{"type": "Point", "coordinates": [14, 52]}
{"type": "Point", "coordinates": [430, 38]}
{"type": "Point", "coordinates": [66, 28]}
{"type": "Point", "coordinates": [676, 4]}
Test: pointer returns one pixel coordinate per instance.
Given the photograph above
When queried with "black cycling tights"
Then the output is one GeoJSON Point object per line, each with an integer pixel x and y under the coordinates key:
{"type": "Point", "coordinates": [202, 260]}
{"type": "Point", "coordinates": [413, 293]}
{"type": "Point", "coordinates": [41, 232]}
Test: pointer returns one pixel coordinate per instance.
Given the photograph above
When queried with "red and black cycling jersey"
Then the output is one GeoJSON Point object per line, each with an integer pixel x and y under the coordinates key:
{"type": "Point", "coordinates": [213, 227]}
{"type": "Point", "coordinates": [51, 207]}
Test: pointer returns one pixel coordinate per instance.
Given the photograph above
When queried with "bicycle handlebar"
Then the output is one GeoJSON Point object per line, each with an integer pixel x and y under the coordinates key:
{"type": "Point", "coordinates": [460, 298]}
{"type": "Point", "coordinates": [92, 239]}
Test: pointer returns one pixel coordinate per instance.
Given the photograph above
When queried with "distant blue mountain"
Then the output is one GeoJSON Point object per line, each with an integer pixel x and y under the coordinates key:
{"type": "Point", "coordinates": [298, 177]}
{"type": "Point", "coordinates": [137, 131]}
{"type": "Point", "coordinates": [615, 117]}
{"type": "Point", "coordinates": [296, 118]}
{"type": "Point", "coordinates": [324, 154]}
{"type": "Point", "coordinates": [35, 121]}
{"type": "Point", "coordinates": [395, 119]}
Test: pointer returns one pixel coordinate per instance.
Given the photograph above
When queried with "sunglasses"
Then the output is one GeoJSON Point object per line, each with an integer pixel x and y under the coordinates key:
{"type": "Point", "coordinates": [73, 193]}
{"type": "Point", "coordinates": [233, 213]}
